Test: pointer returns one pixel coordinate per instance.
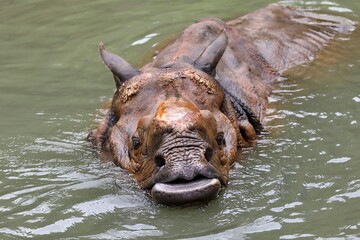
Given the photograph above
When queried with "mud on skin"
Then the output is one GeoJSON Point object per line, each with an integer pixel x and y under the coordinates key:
{"type": "Point", "coordinates": [177, 123]}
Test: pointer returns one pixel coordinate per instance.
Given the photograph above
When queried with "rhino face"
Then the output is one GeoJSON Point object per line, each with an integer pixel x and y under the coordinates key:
{"type": "Point", "coordinates": [179, 153]}
{"type": "Point", "coordinates": [166, 126]}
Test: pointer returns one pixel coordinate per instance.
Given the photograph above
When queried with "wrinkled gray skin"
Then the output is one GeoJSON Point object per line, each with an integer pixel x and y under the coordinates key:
{"type": "Point", "coordinates": [177, 123]}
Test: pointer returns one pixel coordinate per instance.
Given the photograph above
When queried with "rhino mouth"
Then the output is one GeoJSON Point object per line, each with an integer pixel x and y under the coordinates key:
{"type": "Point", "coordinates": [186, 192]}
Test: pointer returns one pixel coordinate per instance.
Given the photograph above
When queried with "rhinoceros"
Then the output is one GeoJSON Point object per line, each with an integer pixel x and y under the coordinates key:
{"type": "Point", "coordinates": [178, 123]}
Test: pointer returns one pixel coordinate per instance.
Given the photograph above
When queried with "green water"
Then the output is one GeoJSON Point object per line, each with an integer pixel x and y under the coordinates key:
{"type": "Point", "coordinates": [301, 181]}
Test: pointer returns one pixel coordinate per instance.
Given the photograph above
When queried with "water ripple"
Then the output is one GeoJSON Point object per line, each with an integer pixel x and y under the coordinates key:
{"type": "Point", "coordinates": [106, 204]}
{"type": "Point", "coordinates": [262, 224]}
{"type": "Point", "coordinates": [56, 227]}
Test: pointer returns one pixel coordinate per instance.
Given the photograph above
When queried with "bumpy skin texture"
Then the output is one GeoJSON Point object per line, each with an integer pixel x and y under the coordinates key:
{"type": "Point", "coordinates": [203, 98]}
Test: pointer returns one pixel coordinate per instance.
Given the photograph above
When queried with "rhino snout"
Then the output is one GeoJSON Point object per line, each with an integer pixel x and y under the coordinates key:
{"type": "Point", "coordinates": [184, 166]}
{"type": "Point", "coordinates": [185, 177]}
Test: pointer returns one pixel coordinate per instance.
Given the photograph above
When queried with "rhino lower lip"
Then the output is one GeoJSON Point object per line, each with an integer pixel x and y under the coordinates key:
{"type": "Point", "coordinates": [200, 190]}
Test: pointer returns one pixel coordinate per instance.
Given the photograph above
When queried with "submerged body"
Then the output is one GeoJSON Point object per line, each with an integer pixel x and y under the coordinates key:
{"type": "Point", "coordinates": [177, 123]}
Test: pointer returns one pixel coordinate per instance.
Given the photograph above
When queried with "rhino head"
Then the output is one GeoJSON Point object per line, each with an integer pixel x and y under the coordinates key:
{"type": "Point", "coordinates": [167, 126]}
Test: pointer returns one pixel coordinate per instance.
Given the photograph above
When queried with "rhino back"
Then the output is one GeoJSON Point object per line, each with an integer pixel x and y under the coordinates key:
{"type": "Point", "coordinates": [286, 36]}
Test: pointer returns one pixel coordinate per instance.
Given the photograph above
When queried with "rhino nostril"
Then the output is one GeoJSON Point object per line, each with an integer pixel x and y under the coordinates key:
{"type": "Point", "coordinates": [208, 154]}
{"type": "Point", "coordinates": [159, 161]}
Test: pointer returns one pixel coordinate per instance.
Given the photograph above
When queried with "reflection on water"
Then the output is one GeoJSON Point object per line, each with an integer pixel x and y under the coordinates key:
{"type": "Point", "coordinates": [300, 181]}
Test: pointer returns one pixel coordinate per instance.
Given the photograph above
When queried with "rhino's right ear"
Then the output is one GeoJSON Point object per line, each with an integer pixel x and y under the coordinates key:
{"type": "Point", "coordinates": [210, 57]}
{"type": "Point", "coordinates": [121, 69]}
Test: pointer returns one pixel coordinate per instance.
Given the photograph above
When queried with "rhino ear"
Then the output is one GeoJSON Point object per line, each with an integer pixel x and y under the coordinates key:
{"type": "Point", "coordinates": [121, 69]}
{"type": "Point", "coordinates": [210, 57]}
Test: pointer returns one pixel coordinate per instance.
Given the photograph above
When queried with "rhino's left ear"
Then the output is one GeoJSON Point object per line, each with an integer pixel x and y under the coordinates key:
{"type": "Point", "coordinates": [210, 57]}
{"type": "Point", "coordinates": [121, 69]}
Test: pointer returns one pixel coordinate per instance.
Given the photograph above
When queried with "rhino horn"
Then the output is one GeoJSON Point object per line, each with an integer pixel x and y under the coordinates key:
{"type": "Point", "coordinates": [210, 57]}
{"type": "Point", "coordinates": [121, 69]}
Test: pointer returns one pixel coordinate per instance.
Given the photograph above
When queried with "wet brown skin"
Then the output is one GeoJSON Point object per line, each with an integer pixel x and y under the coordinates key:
{"type": "Point", "coordinates": [184, 116]}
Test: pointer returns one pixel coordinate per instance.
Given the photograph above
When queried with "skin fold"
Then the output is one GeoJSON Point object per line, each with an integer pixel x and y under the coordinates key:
{"type": "Point", "coordinates": [182, 118]}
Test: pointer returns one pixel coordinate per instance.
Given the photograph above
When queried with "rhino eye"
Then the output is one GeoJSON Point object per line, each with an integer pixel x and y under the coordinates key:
{"type": "Point", "coordinates": [220, 139]}
{"type": "Point", "coordinates": [136, 143]}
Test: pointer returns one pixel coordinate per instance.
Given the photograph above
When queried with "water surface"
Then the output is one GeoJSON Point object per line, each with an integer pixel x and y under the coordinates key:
{"type": "Point", "coordinates": [301, 180]}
